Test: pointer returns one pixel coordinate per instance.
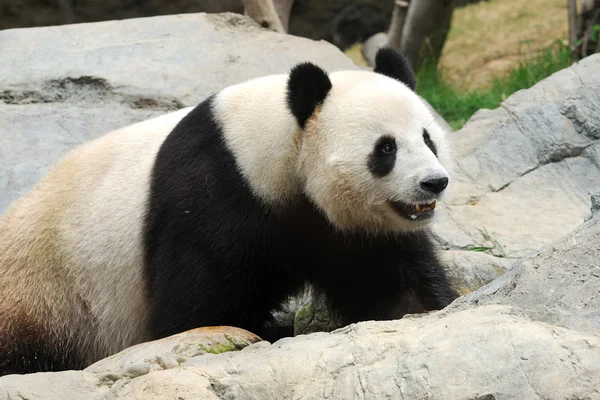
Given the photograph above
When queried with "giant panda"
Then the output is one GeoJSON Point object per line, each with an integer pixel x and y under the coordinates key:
{"type": "Point", "coordinates": [215, 214]}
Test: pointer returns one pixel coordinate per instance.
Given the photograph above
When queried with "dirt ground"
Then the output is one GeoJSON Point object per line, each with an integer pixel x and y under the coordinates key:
{"type": "Point", "coordinates": [490, 38]}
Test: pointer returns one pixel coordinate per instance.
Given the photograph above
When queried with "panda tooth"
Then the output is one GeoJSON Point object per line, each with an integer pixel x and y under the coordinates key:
{"type": "Point", "coordinates": [418, 208]}
{"type": "Point", "coordinates": [413, 216]}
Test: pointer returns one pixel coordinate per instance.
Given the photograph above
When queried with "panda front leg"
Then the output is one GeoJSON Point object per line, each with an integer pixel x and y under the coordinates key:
{"type": "Point", "coordinates": [389, 293]}
{"type": "Point", "coordinates": [429, 284]}
{"type": "Point", "coordinates": [356, 298]}
{"type": "Point", "coordinates": [201, 293]}
{"type": "Point", "coordinates": [195, 291]}
{"type": "Point", "coordinates": [425, 282]}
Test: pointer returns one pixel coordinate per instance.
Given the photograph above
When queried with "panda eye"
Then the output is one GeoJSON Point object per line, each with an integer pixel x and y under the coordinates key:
{"type": "Point", "coordinates": [386, 146]}
{"type": "Point", "coordinates": [387, 149]}
{"type": "Point", "coordinates": [426, 138]}
{"type": "Point", "coordinates": [429, 142]}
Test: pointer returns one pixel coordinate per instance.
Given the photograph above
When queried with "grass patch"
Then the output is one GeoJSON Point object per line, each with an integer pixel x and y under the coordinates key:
{"type": "Point", "coordinates": [484, 36]}
{"type": "Point", "coordinates": [457, 105]}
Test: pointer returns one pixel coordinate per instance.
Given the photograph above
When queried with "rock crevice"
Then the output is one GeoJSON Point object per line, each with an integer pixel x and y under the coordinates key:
{"type": "Point", "coordinates": [88, 90]}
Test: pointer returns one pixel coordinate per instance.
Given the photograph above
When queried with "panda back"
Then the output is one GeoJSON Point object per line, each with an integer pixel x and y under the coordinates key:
{"type": "Point", "coordinates": [74, 241]}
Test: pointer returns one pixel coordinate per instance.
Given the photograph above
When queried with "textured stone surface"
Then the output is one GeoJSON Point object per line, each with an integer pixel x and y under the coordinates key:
{"type": "Point", "coordinates": [172, 351]}
{"type": "Point", "coordinates": [559, 285]}
{"type": "Point", "coordinates": [492, 351]}
{"type": "Point", "coordinates": [370, 47]}
{"type": "Point", "coordinates": [595, 209]}
{"type": "Point", "coordinates": [525, 171]}
{"type": "Point", "coordinates": [468, 270]}
{"type": "Point", "coordinates": [81, 81]}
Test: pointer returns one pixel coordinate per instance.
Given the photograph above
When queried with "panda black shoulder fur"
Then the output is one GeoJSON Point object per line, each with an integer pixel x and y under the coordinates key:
{"type": "Point", "coordinates": [215, 215]}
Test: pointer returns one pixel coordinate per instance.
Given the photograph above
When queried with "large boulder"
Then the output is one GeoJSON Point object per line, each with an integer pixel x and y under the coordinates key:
{"type": "Point", "coordinates": [171, 351]}
{"type": "Point", "coordinates": [558, 285]}
{"type": "Point", "coordinates": [524, 172]}
{"type": "Point", "coordinates": [62, 86]}
{"type": "Point", "coordinates": [535, 333]}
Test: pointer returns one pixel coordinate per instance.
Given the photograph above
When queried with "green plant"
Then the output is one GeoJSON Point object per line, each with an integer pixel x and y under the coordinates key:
{"type": "Point", "coordinates": [499, 250]}
{"type": "Point", "coordinates": [593, 37]}
{"type": "Point", "coordinates": [594, 33]}
{"type": "Point", "coordinates": [457, 106]}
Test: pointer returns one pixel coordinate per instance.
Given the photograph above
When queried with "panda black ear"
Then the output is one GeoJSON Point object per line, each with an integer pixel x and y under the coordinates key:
{"type": "Point", "coordinates": [390, 63]}
{"type": "Point", "coordinates": [307, 87]}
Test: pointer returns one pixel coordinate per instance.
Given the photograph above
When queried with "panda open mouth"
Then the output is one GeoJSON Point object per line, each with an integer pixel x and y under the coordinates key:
{"type": "Point", "coordinates": [414, 212]}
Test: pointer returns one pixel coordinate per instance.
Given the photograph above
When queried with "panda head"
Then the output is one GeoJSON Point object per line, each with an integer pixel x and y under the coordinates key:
{"type": "Point", "coordinates": [371, 157]}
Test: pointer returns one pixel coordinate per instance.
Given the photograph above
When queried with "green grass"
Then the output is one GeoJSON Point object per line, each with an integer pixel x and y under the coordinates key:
{"type": "Point", "coordinates": [457, 106]}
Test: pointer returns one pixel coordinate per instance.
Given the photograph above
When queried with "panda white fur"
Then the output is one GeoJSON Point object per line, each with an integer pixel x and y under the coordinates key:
{"type": "Point", "coordinates": [213, 215]}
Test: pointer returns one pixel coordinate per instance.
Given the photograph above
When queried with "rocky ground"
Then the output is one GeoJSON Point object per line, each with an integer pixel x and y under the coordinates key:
{"type": "Point", "coordinates": [525, 171]}
{"type": "Point", "coordinates": [520, 192]}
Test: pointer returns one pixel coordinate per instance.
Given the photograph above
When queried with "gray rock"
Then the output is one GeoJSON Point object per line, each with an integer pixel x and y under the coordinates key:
{"type": "Point", "coordinates": [428, 357]}
{"type": "Point", "coordinates": [469, 270]}
{"type": "Point", "coordinates": [486, 352]}
{"type": "Point", "coordinates": [83, 80]}
{"type": "Point", "coordinates": [558, 285]}
{"type": "Point", "coordinates": [595, 209]}
{"type": "Point", "coordinates": [372, 45]}
{"type": "Point", "coordinates": [171, 351]}
{"type": "Point", "coordinates": [30, 13]}
{"type": "Point", "coordinates": [525, 171]}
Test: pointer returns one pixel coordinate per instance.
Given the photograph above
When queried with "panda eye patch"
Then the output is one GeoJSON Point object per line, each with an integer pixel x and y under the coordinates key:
{"type": "Point", "coordinates": [382, 159]}
{"type": "Point", "coordinates": [429, 142]}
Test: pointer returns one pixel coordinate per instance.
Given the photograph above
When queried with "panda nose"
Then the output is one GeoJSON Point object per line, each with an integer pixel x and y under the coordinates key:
{"type": "Point", "coordinates": [435, 185]}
